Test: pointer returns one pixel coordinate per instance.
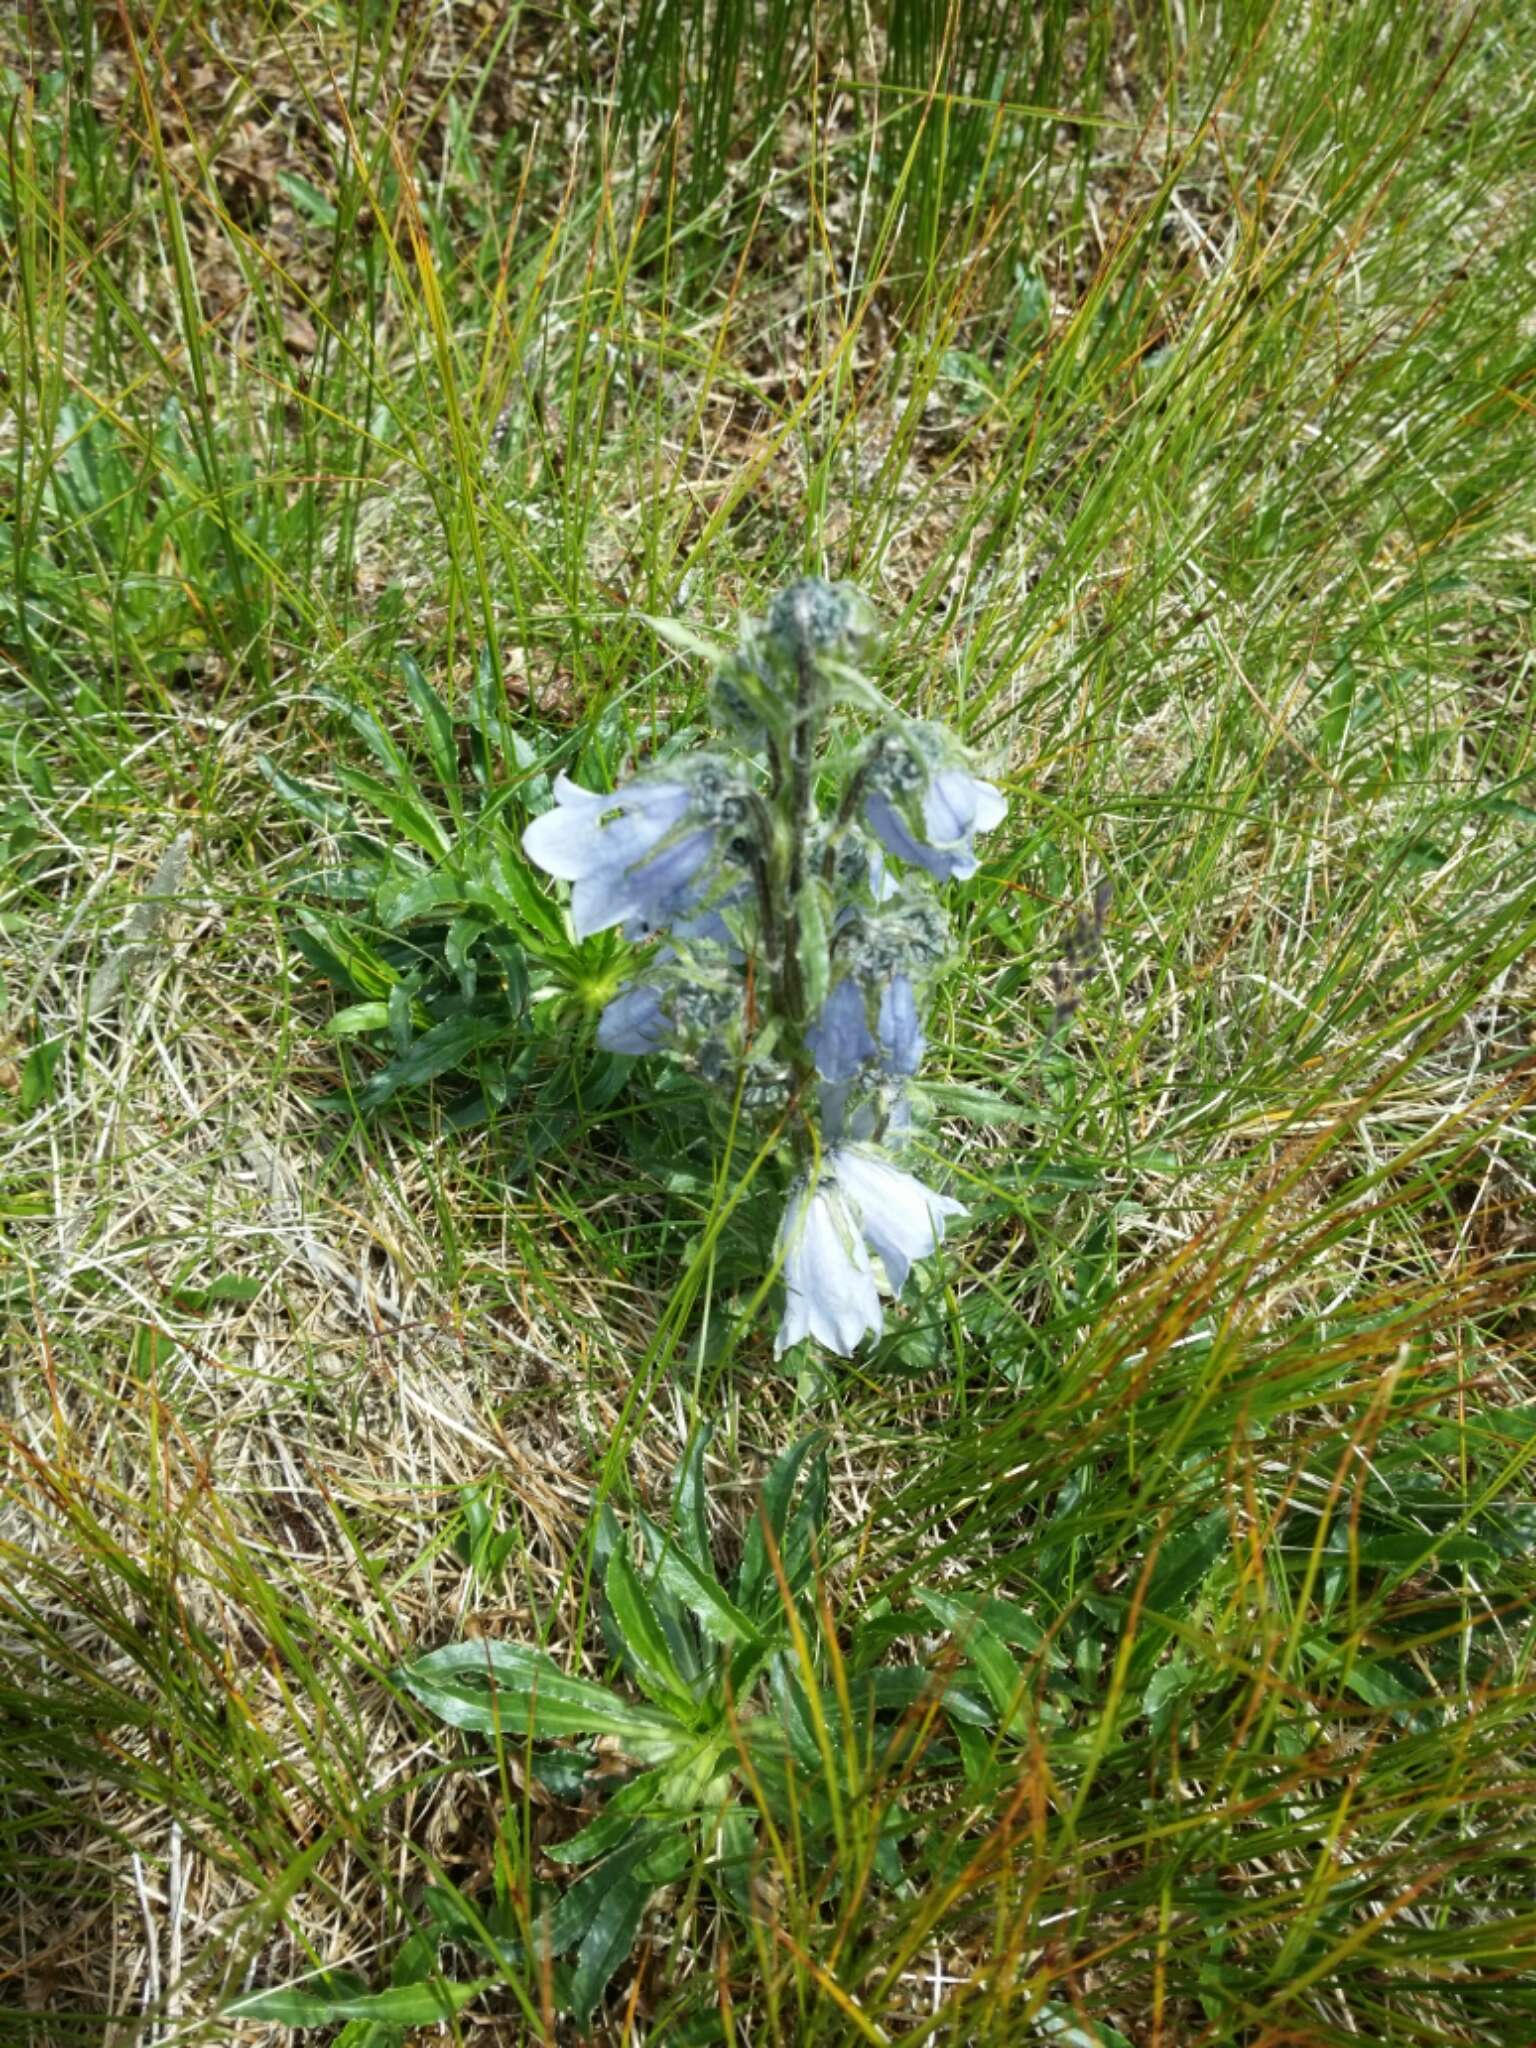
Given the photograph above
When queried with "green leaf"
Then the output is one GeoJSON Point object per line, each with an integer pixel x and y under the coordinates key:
{"type": "Point", "coordinates": [1001, 1677]}
{"type": "Point", "coordinates": [1032, 308]}
{"type": "Point", "coordinates": [796, 1720]}
{"type": "Point", "coordinates": [406, 813]}
{"type": "Point", "coordinates": [611, 1932]}
{"type": "Point", "coordinates": [684, 639]}
{"type": "Point", "coordinates": [973, 375]}
{"type": "Point", "coordinates": [1183, 1562]}
{"type": "Point", "coordinates": [227, 1287]}
{"type": "Point", "coordinates": [689, 1501]}
{"type": "Point", "coordinates": [370, 2034]}
{"type": "Point", "coordinates": [480, 1543]}
{"type": "Point", "coordinates": [645, 1645]}
{"type": "Point", "coordinates": [357, 1018]}
{"type": "Point", "coordinates": [447, 1045]}
{"type": "Point", "coordinates": [602, 1910]}
{"type": "Point", "coordinates": [436, 723]}
{"type": "Point", "coordinates": [904, 1686]}
{"type": "Point", "coordinates": [1063, 2028]}
{"type": "Point", "coordinates": [334, 949]}
{"type": "Point", "coordinates": [736, 1853]}
{"type": "Point", "coordinates": [37, 1072]}
{"type": "Point", "coordinates": [368, 730]}
{"type": "Point", "coordinates": [404, 2005]}
{"type": "Point", "coordinates": [496, 1687]}
{"type": "Point", "coordinates": [1164, 1688]}
{"type": "Point", "coordinates": [682, 1637]}
{"type": "Point", "coordinates": [756, 1574]}
{"type": "Point", "coordinates": [1421, 856]}
{"type": "Point", "coordinates": [704, 1597]}
{"type": "Point", "coordinates": [320, 808]}
{"type": "Point", "coordinates": [689, 1783]}
{"type": "Point", "coordinates": [850, 687]}
{"type": "Point", "coordinates": [1011, 1624]}
{"type": "Point", "coordinates": [1411, 1549]}
{"type": "Point", "coordinates": [815, 955]}
{"type": "Point", "coordinates": [979, 1105]}
{"type": "Point", "coordinates": [404, 896]}
{"type": "Point", "coordinates": [617, 1820]}
{"type": "Point", "coordinates": [1504, 807]}
{"type": "Point", "coordinates": [308, 199]}
{"type": "Point", "coordinates": [803, 1532]}
{"type": "Point", "coordinates": [526, 897]}
{"type": "Point", "coordinates": [978, 1758]}
{"type": "Point", "coordinates": [1384, 1685]}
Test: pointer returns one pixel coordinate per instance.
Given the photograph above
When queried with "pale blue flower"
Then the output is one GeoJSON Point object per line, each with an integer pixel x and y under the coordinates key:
{"type": "Point", "coordinates": [902, 1043]}
{"type": "Point", "coordinates": [956, 806]}
{"type": "Point", "coordinates": [900, 1219]}
{"type": "Point", "coordinates": [628, 857]}
{"type": "Point", "coordinates": [840, 1040]}
{"type": "Point", "coordinates": [828, 1277]}
{"type": "Point", "coordinates": [634, 1021]}
{"type": "Point", "coordinates": [898, 1120]}
{"type": "Point", "coordinates": [862, 1203]}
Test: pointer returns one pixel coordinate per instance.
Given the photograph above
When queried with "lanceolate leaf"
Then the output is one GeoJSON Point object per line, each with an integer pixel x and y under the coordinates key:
{"type": "Point", "coordinates": [406, 813]}
{"type": "Point", "coordinates": [645, 1644]}
{"type": "Point", "coordinates": [405, 2005]}
{"type": "Point", "coordinates": [688, 1505]}
{"type": "Point", "coordinates": [1005, 1684]}
{"type": "Point", "coordinates": [505, 1688]}
{"type": "Point", "coordinates": [436, 724]}
{"type": "Point", "coordinates": [603, 1909]}
{"type": "Point", "coordinates": [701, 1593]}
{"type": "Point", "coordinates": [757, 1574]}
{"type": "Point", "coordinates": [445, 1046]}
{"type": "Point", "coordinates": [318, 806]}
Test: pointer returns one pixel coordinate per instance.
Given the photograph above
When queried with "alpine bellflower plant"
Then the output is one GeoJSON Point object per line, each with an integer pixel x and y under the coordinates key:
{"type": "Point", "coordinates": [789, 882]}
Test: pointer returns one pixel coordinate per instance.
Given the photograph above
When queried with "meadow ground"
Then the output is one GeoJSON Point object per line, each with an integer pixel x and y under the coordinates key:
{"type": "Point", "coordinates": [373, 377]}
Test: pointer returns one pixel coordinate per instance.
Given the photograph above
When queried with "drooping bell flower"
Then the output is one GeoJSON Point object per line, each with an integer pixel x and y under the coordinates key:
{"type": "Point", "coordinates": [861, 1203]}
{"type": "Point", "coordinates": [633, 857]}
{"type": "Point", "coordinates": [925, 806]}
{"type": "Point", "coordinates": [899, 1218]}
{"type": "Point", "coordinates": [828, 1278]}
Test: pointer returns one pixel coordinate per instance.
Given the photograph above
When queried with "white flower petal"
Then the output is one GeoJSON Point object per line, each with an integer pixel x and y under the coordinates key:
{"type": "Point", "coordinates": [901, 1219]}
{"type": "Point", "coordinates": [957, 805]}
{"type": "Point", "coordinates": [991, 807]}
{"type": "Point", "coordinates": [573, 840]}
{"type": "Point", "coordinates": [828, 1279]}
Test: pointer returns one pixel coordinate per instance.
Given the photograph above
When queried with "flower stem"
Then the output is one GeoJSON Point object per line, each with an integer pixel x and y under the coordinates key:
{"type": "Point", "coordinates": [802, 745]}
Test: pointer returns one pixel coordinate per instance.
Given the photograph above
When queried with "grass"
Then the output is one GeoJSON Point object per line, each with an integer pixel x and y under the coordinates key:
{"type": "Point", "coordinates": [1165, 377]}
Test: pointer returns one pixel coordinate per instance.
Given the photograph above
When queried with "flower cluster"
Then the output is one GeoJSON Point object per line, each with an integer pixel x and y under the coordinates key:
{"type": "Point", "coordinates": [790, 885]}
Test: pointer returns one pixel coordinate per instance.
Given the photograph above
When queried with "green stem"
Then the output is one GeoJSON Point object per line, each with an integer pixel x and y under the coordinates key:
{"type": "Point", "coordinates": [802, 744]}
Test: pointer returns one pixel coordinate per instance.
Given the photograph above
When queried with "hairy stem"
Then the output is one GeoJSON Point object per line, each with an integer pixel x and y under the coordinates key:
{"type": "Point", "coordinates": [802, 743]}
